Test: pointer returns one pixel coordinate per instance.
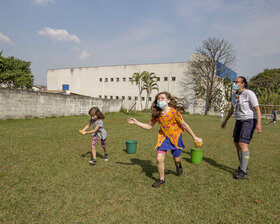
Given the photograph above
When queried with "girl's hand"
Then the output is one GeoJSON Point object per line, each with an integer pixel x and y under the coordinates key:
{"type": "Point", "coordinates": [197, 142]}
{"type": "Point", "coordinates": [131, 120]}
{"type": "Point", "coordinates": [82, 132]}
{"type": "Point", "coordinates": [196, 139]}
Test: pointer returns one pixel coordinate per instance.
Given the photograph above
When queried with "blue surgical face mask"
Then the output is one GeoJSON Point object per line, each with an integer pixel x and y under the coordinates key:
{"type": "Point", "coordinates": [235, 86]}
{"type": "Point", "coordinates": [161, 104]}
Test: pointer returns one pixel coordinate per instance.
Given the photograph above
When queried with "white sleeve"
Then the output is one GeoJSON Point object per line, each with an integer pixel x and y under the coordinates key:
{"type": "Point", "coordinates": [253, 99]}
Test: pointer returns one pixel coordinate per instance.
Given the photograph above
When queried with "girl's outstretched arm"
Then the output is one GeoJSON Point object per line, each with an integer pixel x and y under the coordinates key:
{"type": "Point", "coordinates": [132, 120]}
{"type": "Point", "coordinates": [83, 131]}
{"type": "Point", "coordinates": [189, 130]}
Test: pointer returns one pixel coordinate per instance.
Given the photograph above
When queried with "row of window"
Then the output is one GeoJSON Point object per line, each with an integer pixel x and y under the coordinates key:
{"type": "Point", "coordinates": [123, 97]}
{"type": "Point", "coordinates": [173, 78]}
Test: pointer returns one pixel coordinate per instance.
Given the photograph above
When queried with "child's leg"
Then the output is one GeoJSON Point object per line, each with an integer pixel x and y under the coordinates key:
{"type": "Point", "coordinates": [93, 147]}
{"type": "Point", "coordinates": [160, 165]}
{"type": "Point", "coordinates": [177, 160]}
{"type": "Point", "coordinates": [93, 152]}
{"type": "Point", "coordinates": [104, 146]}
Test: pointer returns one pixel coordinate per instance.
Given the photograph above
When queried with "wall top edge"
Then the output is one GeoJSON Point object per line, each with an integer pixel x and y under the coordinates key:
{"type": "Point", "coordinates": [104, 66]}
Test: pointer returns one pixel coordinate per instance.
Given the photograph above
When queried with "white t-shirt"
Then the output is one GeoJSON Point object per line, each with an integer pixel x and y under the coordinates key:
{"type": "Point", "coordinates": [244, 105]}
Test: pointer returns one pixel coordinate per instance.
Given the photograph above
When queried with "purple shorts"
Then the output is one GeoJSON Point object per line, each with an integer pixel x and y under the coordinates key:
{"type": "Point", "coordinates": [167, 145]}
{"type": "Point", "coordinates": [95, 140]}
{"type": "Point", "coordinates": [244, 130]}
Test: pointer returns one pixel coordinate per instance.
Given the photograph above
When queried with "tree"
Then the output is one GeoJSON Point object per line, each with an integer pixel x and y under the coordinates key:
{"type": "Point", "coordinates": [15, 73]}
{"type": "Point", "coordinates": [149, 84]}
{"type": "Point", "coordinates": [137, 78]}
{"type": "Point", "coordinates": [203, 69]}
{"type": "Point", "coordinates": [267, 79]}
{"type": "Point", "coordinates": [224, 93]}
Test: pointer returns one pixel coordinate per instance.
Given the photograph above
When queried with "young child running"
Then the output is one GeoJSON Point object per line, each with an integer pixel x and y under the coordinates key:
{"type": "Point", "coordinates": [98, 132]}
{"type": "Point", "coordinates": [165, 111]}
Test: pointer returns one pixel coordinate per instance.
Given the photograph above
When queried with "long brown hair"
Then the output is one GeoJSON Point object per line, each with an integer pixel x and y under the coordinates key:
{"type": "Point", "coordinates": [97, 112]}
{"type": "Point", "coordinates": [156, 111]}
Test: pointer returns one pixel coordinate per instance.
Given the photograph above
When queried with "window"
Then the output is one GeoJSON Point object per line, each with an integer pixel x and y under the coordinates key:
{"type": "Point", "coordinates": [123, 97]}
{"type": "Point", "coordinates": [142, 98]}
{"type": "Point", "coordinates": [117, 97]}
{"type": "Point", "coordinates": [111, 97]}
{"type": "Point", "coordinates": [100, 96]}
{"type": "Point", "coordinates": [117, 79]}
{"type": "Point", "coordinates": [136, 98]}
{"type": "Point", "coordinates": [106, 79]}
{"type": "Point", "coordinates": [129, 97]}
{"type": "Point", "coordinates": [130, 79]}
{"type": "Point", "coordinates": [100, 79]}
{"type": "Point", "coordinates": [112, 79]}
{"type": "Point", "coordinates": [150, 98]}
{"type": "Point", "coordinates": [158, 78]}
{"type": "Point", "coordinates": [105, 97]}
{"type": "Point", "coordinates": [124, 79]}
{"type": "Point", "coordinates": [173, 78]}
{"type": "Point", "coordinates": [165, 78]}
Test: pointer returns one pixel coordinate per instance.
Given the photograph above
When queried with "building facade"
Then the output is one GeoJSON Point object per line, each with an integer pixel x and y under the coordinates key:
{"type": "Point", "coordinates": [114, 82]}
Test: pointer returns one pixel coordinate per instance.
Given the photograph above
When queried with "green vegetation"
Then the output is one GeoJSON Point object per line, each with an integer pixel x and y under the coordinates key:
{"type": "Point", "coordinates": [145, 81]}
{"type": "Point", "coordinates": [45, 176]}
{"type": "Point", "coordinates": [15, 73]}
{"type": "Point", "coordinates": [268, 79]}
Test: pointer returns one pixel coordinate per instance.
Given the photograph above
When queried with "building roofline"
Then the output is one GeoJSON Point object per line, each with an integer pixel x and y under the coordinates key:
{"type": "Point", "coordinates": [119, 65]}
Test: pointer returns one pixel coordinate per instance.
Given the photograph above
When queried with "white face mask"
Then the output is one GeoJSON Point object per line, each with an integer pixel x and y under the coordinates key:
{"type": "Point", "coordinates": [161, 104]}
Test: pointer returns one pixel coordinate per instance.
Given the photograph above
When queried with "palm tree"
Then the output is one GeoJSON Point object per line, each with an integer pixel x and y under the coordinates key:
{"type": "Point", "coordinates": [137, 78]}
{"type": "Point", "coordinates": [149, 84]}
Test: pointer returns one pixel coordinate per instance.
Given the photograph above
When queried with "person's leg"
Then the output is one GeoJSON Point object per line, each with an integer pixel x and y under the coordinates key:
{"type": "Point", "coordinates": [179, 168]}
{"type": "Point", "coordinates": [243, 170]}
{"type": "Point", "coordinates": [177, 160]}
{"type": "Point", "coordinates": [238, 150]}
{"type": "Point", "coordinates": [160, 165]}
{"type": "Point", "coordinates": [93, 150]}
{"type": "Point", "coordinates": [244, 156]}
{"type": "Point", "coordinates": [104, 146]}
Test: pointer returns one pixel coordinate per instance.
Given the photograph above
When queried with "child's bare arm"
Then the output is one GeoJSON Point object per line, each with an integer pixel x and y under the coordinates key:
{"type": "Point", "coordinates": [189, 130]}
{"type": "Point", "coordinates": [86, 127]}
{"type": "Point", "coordinates": [132, 120]}
{"type": "Point", "coordinates": [92, 131]}
{"type": "Point", "coordinates": [83, 131]}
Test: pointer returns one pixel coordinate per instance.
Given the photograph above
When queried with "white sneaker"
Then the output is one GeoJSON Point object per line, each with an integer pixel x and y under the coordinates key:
{"type": "Point", "coordinates": [106, 157]}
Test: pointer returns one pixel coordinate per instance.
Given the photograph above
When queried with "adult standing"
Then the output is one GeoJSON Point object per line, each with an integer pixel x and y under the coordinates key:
{"type": "Point", "coordinates": [245, 107]}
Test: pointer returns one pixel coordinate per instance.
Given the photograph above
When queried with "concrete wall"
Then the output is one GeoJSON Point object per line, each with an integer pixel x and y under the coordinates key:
{"type": "Point", "coordinates": [26, 104]}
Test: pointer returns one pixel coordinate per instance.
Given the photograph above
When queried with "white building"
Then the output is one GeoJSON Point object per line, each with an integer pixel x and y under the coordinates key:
{"type": "Point", "coordinates": [114, 82]}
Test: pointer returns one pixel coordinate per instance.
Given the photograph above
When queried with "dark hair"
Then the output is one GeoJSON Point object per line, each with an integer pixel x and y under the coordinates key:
{"type": "Point", "coordinates": [156, 111]}
{"type": "Point", "coordinates": [97, 112]}
{"type": "Point", "coordinates": [244, 80]}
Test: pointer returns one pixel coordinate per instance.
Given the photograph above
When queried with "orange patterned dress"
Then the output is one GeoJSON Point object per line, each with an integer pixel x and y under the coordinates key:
{"type": "Point", "coordinates": [169, 126]}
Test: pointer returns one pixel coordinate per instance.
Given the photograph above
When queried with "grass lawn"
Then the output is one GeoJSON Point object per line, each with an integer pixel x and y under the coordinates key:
{"type": "Point", "coordinates": [45, 176]}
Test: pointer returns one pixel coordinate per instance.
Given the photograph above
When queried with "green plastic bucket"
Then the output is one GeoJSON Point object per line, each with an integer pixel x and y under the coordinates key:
{"type": "Point", "coordinates": [196, 155]}
{"type": "Point", "coordinates": [131, 146]}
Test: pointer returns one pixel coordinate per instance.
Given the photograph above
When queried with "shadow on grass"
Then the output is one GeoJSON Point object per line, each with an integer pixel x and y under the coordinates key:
{"type": "Point", "coordinates": [212, 163]}
{"type": "Point", "coordinates": [147, 167]}
{"type": "Point", "coordinates": [88, 154]}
